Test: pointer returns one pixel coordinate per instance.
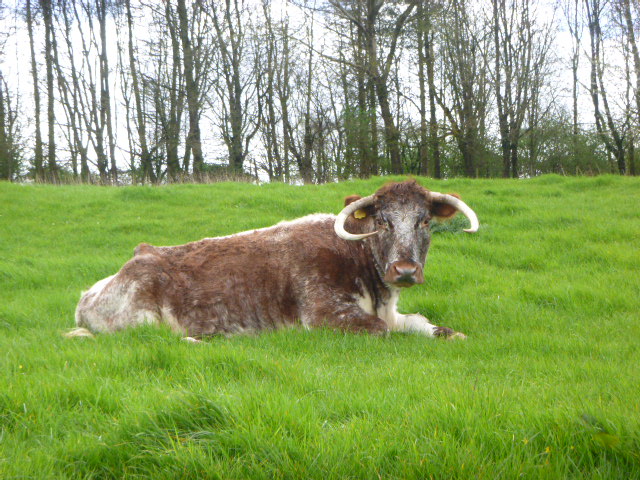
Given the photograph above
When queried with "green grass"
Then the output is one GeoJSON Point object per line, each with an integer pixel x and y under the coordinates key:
{"type": "Point", "coordinates": [547, 385]}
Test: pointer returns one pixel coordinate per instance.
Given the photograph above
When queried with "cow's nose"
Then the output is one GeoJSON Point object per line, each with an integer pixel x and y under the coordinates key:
{"type": "Point", "coordinates": [404, 274]}
{"type": "Point", "coordinates": [405, 270]}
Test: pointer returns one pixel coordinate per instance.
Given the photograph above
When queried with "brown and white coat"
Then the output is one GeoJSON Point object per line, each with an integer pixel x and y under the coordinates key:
{"type": "Point", "coordinates": [320, 270]}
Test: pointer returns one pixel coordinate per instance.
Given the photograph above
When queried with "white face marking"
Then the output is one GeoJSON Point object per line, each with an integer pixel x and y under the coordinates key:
{"type": "Point", "coordinates": [405, 238]}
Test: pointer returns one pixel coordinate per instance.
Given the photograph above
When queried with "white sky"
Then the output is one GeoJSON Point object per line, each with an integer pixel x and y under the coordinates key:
{"type": "Point", "coordinates": [15, 66]}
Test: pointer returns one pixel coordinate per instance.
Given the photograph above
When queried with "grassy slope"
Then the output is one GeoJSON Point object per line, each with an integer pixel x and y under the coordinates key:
{"type": "Point", "coordinates": [546, 386]}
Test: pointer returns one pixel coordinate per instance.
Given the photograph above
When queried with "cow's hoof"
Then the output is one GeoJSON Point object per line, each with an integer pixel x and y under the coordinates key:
{"type": "Point", "coordinates": [78, 332]}
{"type": "Point", "coordinates": [457, 336]}
{"type": "Point", "coordinates": [448, 334]}
{"type": "Point", "coordinates": [191, 340]}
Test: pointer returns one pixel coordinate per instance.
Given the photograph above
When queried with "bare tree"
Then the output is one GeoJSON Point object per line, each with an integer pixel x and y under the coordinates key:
{"type": "Point", "coordinates": [71, 94]}
{"type": "Point", "coordinates": [573, 14]}
{"type": "Point", "coordinates": [168, 93]}
{"type": "Point", "coordinates": [521, 52]}
{"type": "Point", "coordinates": [610, 132]}
{"type": "Point", "coordinates": [236, 83]}
{"type": "Point", "coordinates": [145, 156]}
{"type": "Point", "coordinates": [64, 96]}
{"type": "Point", "coordinates": [631, 46]}
{"type": "Point", "coordinates": [47, 15]}
{"type": "Point", "coordinates": [38, 160]}
{"type": "Point", "coordinates": [429, 147]}
{"type": "Point", "coordinates": [193, 143]}
{"type": "Point", "coordinates": [6, 170]}
{"type": "Point", "coordinates": [366, 19]}
{"type": "Point", "coordinates": [464, 53]}
{"type": "Point", "coordinates": [267, 51]}
{"type": "Point", "coordinates": [9, 133]}
{"type": "Point", "coordinates": [299, 136]}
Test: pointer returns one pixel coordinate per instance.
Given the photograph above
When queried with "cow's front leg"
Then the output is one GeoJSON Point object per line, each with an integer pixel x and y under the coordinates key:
{"type": "Point", "coordinates": [347, 318]}
{"type": "Point", "coordinates": [416, 323]}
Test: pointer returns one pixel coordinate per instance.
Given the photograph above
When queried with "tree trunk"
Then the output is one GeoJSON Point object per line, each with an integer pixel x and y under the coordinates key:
{"type": "Point", "coordinates": [38, 161]}
{"type": "Point", "coordinates": [632, 158]}
{"type": "Point", "coordinates": [374, 154]}
{"type": "Point", "coordinates": [193, 102]}
{"type": "Point", "coordinates": [105, 95]}
{"type": "Point", "coordinates": [366, 121]}
{"type": "Point", "coordinates": [626, 9]}
{"type": "Point", "coordinates": [434, 141]}
{"type": "Point", "coordinates": [175, 99]}
{"type": "Point", "coordinates": [306, 167]}
{"type": "Point", "coordinates": [5, 154]}
{"type": "Point", "coordinates": [502, 115]}
{"type": "Point", "coordinates": [238, 124]}
{"type": "Point", "coordinates": [391, 132]}
{"type": "Point", "coordinates": [513, 155]}
{"type": "Point", "coordinates": [70, 112]}
{"type": "Point", "coordinates": [52, 166]}
{"type": "Point", "coordinates": [74, 106]}
{"type": "Point", "coordinates": [274, 159]}
{"type": "Point", "coordinates": [606, 129]}
{"type": "Point", "coordinates": [422, 32]}
{"type": "Point", "coordinates": [575, 63]}
{"type": "Point", "coordinates": [145, 157]}
{"type": "Point", "coordinates": [379, 72]}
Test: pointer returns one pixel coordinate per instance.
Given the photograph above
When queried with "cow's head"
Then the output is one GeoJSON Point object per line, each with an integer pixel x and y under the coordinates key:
{"type": "Point", "coordinates": [395, 220]}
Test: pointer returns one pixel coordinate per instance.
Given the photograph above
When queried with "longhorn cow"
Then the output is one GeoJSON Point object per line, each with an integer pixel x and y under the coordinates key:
{"type": "Point", "coordinates": [343, 272]}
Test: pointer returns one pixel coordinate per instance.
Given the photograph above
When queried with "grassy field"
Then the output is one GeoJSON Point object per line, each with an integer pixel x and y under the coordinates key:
{"type": "Point", "coordinates": [546, 386]}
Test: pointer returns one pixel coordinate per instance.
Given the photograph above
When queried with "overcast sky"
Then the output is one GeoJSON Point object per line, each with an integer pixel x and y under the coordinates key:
{"type": "Point", "coordinates": [15, 66]}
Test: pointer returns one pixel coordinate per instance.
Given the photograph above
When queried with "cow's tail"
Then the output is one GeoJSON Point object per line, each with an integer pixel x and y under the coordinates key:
{"type": "Point", "coordinates": [78, 332]}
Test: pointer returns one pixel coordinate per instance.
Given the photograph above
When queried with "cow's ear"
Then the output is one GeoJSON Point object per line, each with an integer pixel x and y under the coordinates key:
{"type": "Point", "coordinates": [363, 212]}
{"type": "Point", "coordinates": [351, 199]}
{"type": "Point", "coordinates": [443, 210]}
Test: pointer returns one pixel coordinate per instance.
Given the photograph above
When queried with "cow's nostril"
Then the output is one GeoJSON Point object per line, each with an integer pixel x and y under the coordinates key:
{"type": "Point", "coordinates": [405, 269]}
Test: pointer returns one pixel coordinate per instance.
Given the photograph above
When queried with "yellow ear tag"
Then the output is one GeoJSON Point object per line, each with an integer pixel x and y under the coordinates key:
{"type": "Point", "coordinates": [359, 214]}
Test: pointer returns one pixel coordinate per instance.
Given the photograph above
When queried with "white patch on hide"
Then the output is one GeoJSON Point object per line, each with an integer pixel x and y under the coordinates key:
{"type": "Point", "coordinates": [191, 340]}
{"type": "Point", "coordinates": [415, 323]}
{"type": "Point", "coordinates": [78, 332]}
{"type": "Point", "coordinates": [388, 311]}
{"type": "Point", "coordinates": [313, 218]}
{"type": "Point", "coordinates": [167, 317]}
{"type": "Point", "coordinates": [366, 303]}
{"type": "Point", "coordinates": [107, 307]}
{"type": "Point", "coordinates": [98, 286]}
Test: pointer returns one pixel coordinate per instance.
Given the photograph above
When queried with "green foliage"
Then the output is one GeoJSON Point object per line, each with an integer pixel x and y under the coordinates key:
{"type": "Point", "coordinates": [546, 386]}
{"type": "Point", "coordinates": [552, 147]}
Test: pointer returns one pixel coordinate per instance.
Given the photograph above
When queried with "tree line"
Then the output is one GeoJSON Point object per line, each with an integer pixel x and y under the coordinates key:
{"type": "Point", "coordinates": [316, 91]}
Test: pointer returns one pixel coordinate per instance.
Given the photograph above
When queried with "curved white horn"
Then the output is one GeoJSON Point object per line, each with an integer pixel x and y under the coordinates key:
{"type": "Point", "coordinates": [461, 206]}
{"type": "Point", "coordinates": [338, 226]}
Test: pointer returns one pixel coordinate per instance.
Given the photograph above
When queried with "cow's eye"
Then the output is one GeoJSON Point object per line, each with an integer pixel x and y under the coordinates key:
{"type": "Point", "coordinates": [383, 222]}
{"type": "Point", "coordinates": [423, 221]}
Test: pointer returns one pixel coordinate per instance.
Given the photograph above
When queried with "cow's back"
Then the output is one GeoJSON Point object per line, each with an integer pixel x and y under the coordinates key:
{"type": "Point", "coordinates": [252, 280]}
{"type": "Point", "coordinates": [249, 281]}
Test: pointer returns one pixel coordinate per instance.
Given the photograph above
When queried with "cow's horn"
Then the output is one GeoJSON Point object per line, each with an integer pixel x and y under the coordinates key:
{"type": "Point", "coordinates": [458, 205]}
{"type": "Point", "coordinates": [338, 226]}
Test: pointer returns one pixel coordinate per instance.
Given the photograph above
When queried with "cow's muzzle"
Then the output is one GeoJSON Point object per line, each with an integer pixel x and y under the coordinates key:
{"type": "Point", "coordinates": [404, 274]}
